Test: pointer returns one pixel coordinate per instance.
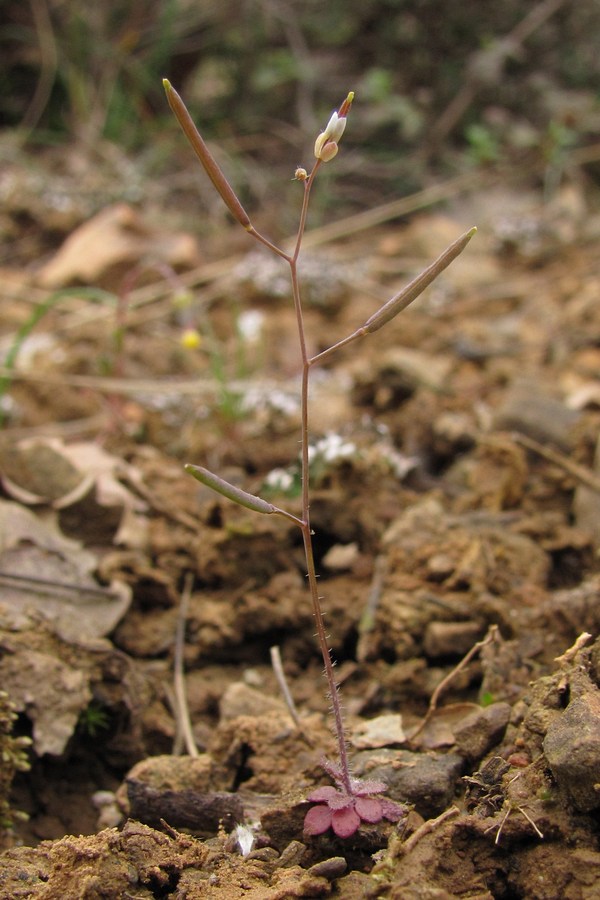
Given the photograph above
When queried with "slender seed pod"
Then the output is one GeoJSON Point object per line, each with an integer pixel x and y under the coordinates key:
{"type": "Point", "coordinates": [416, 287]}
{"type": "Point", "coordinates": [242, 498]}
{"type": "Point", "coordinates": [208, 161]}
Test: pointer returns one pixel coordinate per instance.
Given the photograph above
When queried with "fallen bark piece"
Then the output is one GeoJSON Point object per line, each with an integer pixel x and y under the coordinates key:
{"type": "Point", "coordinates": [183, 809]}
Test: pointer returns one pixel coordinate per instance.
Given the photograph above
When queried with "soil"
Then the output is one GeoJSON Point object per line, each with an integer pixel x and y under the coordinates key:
{"type": "Point", "coordinates": [455, 504]}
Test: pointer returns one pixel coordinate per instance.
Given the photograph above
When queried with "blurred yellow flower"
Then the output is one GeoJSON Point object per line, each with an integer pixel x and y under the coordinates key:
{"type": "Point", "coordinates": [190, 338]}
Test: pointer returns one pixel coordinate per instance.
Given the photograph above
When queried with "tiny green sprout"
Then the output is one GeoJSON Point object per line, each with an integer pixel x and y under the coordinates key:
{"type": "Point", "coordinates": [487, 698]}
{"type": "Point", "coordinates": [546, 795]}
{"type": "Point", "coordinates": [94, 719]}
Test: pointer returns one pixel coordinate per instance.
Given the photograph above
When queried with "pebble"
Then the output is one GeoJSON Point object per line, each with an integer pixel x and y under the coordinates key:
{"type": "Point", "coordinates": [586, 504]}
{"type": "Point", "coordinates": [481, 730]}
{"type": "Point", "coordinates": [241, 700]}
{"type": "Point", "coordinates": [535, 412]}
{"type": "Point", "coordinates": [426, 780]}
{"type": "Point", "coordinates": [572, 749]}
{"type": "Point", "coordinates": [330, 868]}
{"type": "Point", "coordinates": [450, 638]}
{"type": "Point", "coordinates": [383, 731]}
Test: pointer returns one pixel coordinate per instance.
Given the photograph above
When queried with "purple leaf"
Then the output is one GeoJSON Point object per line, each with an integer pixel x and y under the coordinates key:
{"type": "Point", "coordinates": [392, 811]}
{"type": "Point", "coordinates": [345, 822]}
{"type": "Point", "coordinates": [363, 788]}
{"type": "Point", "coordinates": [368, 809]}
{"type": "Point", "coordinates": [322, 794]}
{"type": "Point", "coordinates": [317, 820]}
{"type": "Point", "coordinates": [340, 801]}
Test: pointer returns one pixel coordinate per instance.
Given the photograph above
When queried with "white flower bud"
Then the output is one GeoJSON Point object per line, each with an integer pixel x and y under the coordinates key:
{"type": "Point", "coordinates": [330, 137]}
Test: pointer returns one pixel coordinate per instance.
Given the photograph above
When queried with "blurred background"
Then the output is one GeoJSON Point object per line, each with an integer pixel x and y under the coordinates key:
{"type": "Point", "coordinates": [438, 89]}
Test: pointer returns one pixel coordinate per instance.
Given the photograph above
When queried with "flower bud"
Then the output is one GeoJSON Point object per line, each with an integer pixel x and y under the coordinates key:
{"type": "Point", "coordinates": [326, 145]}
{"type": "Point", "coordinates": [328, 151]}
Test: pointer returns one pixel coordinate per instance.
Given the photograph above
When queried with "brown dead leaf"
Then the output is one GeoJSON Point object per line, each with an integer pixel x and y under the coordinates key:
{"type": "Point", "coordinates": [115, 239]}
{"type": "Point", "coordinates": [41, 570]}
{"type": "Point", "coordinates": [439, 728]}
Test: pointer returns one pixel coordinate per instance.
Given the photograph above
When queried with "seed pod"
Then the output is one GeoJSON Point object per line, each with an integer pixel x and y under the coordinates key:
{"type": "Point", "coordinates": [242, 498]}
{"type": "Point", "coordinates": [416, 287]}
{"type": "Point", "coordinates": [205, 156]}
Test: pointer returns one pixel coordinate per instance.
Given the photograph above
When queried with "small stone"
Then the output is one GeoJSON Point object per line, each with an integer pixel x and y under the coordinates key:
{"type": "Point", "coordinates": [291, 855]}
{"type": "Point", "coordinates": [382, 731]}
{"type": "Point", "coordinates": [241, 700]}
{"type": "Point", "coordinates": [450, 638]}
{"type": "Point", "coordinates": [586, 504]}
{"type": "Point", "coordinates": [426, 780]}
{"type": "Point", "coordinates": [330, 868]}
{"type": "Point", "coordinates": [341, 557]}
{"type": "Point", "coordinates": [175, 773]}
{"type": "Point", "coordinates": [537, 413]}
{"type": "Point", "coordinates": [572, 749]}
{"type": "Point", "coordinates": [481, 730]}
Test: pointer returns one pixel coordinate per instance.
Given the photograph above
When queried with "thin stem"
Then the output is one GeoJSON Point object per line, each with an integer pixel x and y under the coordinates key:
{"type": "Point", "coordinates": [334, 693]}
{"type": "Point", "coordinates": [263, 240]}
{"type": "Point", "coordinates": [321, 357]}
{"type": "Point", "coordinates": [305, 525]}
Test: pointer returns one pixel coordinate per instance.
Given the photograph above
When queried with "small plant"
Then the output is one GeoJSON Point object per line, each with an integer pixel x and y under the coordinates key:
{"type": "Point", "coordinates": [352, 801]}
{"type": "Point", "coordinates": [94, 719]}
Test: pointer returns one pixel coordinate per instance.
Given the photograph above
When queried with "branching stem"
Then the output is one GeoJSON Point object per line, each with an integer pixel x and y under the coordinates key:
{"type": "Point", "coordinates": [326, 147]}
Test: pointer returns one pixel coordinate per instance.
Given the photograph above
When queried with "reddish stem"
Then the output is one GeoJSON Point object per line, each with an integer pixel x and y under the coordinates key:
{"type": "Point", "coordinates": [334, 694]}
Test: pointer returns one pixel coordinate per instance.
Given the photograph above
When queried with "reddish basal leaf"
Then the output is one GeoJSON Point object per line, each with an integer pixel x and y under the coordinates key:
{"type": "Point", "coordinates": [317, 820]}
{"type": "Point", "coordinates": [345, 822]}
{"type": "Point", "coordinates": [362, 788]}
{"type": "Point", "coordinates": [391, 810]}
{"type": "Point", "coordinates": [322, 794]}
{"type": "Point", "coordinates": [368, 809]}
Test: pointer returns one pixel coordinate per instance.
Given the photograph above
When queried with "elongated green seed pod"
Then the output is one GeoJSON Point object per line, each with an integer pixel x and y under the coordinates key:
{"type": "Point", "coordinates": [242, 498]}
{"type": "Point", "coordinates": [205, 156]}
{"type": "Point", "coordinates": [417, 285]}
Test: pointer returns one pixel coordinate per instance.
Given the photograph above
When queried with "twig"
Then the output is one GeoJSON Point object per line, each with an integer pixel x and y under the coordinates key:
{"type": "Point", "coordinates": [367, 619]}
{"type": "Point", "coordinates": [581, 473]}
{"type": "Point", "coordinates": [427, 827]}
{"type": "Point", "coordinates": [569, 655]}
{"type": "Point", "coordinates": [46, 586]}
{"type": "Point", "coordinates": [184, 726]}
{"type": "Point", "coordinates": [48, 64]}
{"type": "Point", "coordinates": [283, 687]}
{"type": "Point", "coordinates": [395, 209]}
{"type": "Point", "coordinates": [490, 636]}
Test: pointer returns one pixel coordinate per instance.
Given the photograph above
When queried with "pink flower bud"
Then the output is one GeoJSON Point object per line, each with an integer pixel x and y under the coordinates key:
{"type": "Point", "coordinates": [328, 151]}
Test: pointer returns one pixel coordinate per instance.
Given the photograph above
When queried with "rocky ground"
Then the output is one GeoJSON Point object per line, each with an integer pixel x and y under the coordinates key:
{"type": "Point", "coordinates": [455, 507]}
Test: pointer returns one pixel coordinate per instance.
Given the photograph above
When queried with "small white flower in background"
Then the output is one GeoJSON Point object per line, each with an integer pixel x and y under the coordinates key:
{"type": "Point", "coordinates": [250, 325]}
{"type": "Point", "coordinates": [280, 480]}
{"type": "Point", "coordinates": [245, 838]}
{"type": "Point", "coordinates": [260, 399]}
{"type": "Point", "coordinates": [331, 447]}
